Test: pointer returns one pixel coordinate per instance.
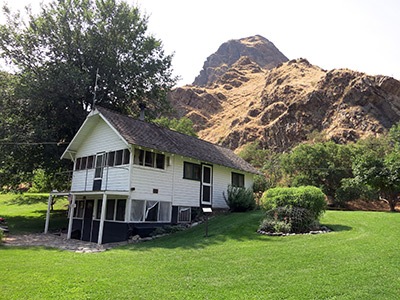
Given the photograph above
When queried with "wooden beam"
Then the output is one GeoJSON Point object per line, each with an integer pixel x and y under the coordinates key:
{"type": "Point", "coordinates": [46, 226]}
{"type": "Point", "coordinates": [102, 218]}
{"type": "Point", "coordinates": [71, 216]}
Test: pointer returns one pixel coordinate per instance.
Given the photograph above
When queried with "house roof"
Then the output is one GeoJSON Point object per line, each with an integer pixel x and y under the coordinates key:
{"type": "Point", "coordinates": [154, 136]}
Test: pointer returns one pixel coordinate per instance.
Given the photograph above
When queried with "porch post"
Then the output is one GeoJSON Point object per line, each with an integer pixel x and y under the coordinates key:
{"type": "Point", "coordinates": [46, 225]}
{"type": "Point", "coordinates": [102, 218]}
{"type": "Point", "coordinates": [71, 216]}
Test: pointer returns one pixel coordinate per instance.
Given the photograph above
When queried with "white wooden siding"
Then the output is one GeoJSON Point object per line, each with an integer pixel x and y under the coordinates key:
{"type": "Point", "coordinates": [145, 179]}
{"type": "Point", "coordinates": [101, 139]}
{"type": "Point", "coordinates": [222, 178]}
{"type": "Point", "coordinates": [186, 191]}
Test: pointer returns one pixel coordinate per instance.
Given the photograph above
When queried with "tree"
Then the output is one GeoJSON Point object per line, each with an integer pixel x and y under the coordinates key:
{"type": "Point", "coordinates": [267, 161]}
{"type": "Point", "coordinates": [58, 55]}
{"type": "Point", "coordinates": [183, 125]}
{"type": "Point", "coordinates": [381, 174]}
{"type": "Point", "coordinates": [323, 165]}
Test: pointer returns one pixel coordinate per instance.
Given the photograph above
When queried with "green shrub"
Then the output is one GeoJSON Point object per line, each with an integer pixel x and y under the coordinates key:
{"type": "Point", "coordinates": [300, 219]}
{"type": "Point", "coordinates": [308, 197]}
{"type": "Point", "coordinates": [41, 182]}
{"type": "Point", "coordinates": [239, 199]}
{"type": "Point", "coordinates": [2, 236]}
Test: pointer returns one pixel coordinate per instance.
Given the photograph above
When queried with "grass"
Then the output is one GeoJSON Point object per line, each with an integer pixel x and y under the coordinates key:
{"type": "Point", "coordinates": [27, 213]}
{"type": "Point", "coordinates": [360, 260]}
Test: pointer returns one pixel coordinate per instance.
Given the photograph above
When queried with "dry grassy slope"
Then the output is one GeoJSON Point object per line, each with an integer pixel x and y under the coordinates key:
{"type": "Point", "coordinates": [281, 107]}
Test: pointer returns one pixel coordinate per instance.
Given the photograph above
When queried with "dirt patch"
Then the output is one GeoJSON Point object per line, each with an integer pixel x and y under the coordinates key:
{"type": "Point", "coordinates": [368, 206]}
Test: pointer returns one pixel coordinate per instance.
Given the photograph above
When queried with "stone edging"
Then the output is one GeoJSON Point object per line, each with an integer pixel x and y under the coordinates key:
{"type": "Point", "coordinates": [324, 229]}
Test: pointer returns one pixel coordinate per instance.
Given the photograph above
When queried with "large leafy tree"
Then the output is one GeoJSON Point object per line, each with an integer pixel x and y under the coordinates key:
{"type": "Point", "coordinates": [59, 54]}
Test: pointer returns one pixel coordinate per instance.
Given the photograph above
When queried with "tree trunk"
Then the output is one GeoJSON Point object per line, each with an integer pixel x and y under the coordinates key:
{"type": "Point", "coordinates": [392, 204]}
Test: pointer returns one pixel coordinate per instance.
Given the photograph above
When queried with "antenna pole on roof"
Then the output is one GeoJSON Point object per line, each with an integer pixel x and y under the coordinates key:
{"type": "Point", "coordinates": [95, 89]}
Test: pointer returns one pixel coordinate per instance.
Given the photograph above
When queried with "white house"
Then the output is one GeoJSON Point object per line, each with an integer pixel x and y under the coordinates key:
{"type": "Point", "coordinates": [131, 176]}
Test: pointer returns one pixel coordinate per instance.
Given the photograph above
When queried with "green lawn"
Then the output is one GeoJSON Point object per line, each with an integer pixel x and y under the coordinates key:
{"type": "Point", "coordinates": [27, 213]}
{"type": "Point", "coordinates": [360, 260]}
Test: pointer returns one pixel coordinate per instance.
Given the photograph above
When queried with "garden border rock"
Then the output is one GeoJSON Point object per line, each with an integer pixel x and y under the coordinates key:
{"type": "Point", "coordinates": [324, 229]}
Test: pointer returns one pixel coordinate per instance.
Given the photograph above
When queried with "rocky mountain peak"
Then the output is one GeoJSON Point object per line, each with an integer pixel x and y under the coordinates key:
{"type": "Point", "coordinates": [256, 48]}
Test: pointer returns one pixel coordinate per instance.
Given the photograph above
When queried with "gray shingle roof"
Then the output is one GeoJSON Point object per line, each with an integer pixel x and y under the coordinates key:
{"type": "Point", "coordinates": [153, 136]}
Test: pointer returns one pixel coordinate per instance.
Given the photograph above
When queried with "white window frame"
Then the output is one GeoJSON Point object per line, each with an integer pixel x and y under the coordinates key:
{"type": "Point", "coordinates": [115, 210]}
{"type": "Point", "coordinates": [143, 165]}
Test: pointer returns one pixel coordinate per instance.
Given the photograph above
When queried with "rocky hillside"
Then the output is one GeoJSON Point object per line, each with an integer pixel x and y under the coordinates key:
{"type": "Point", "coordinates": [257, 48]}
{"type": "Point", "coordinates": [281, 107]}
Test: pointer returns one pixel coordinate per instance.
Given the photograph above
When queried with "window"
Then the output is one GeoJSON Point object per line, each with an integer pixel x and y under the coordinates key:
{"type": "Point", "coordinates": [78, 164]}
{"type": "Point", "coordinates": [83, 163]}
{"type": "Point", "coordinates": [150, 211]}
{"type": "Point", "coordinates": [160, 161]}
{"type": "Point", "coordinates": [90, 162]}
{"type": "Point", "coordinates": [98, 210]}
{"type": "Point", "coordinates": [191, 171]}
{"type": "Point", "coordinates": [79, 207]}
{"type": "Point", "coordinates": [127, 156]}
{"type": "Point", "coordinates": [115, 210]}
{"type": "Point", "coordinates": [118, 157]}
{"type": "Point", "coordinates": [110, 208]}
{"type": "Point", "coordinates": [237, 179]}
{"type": "Point", "coordinates": [184, 214]}
{"type": "Point", "coordinates": [111, 158]}
{"type": "Point", "coordinates": [149, 159]}
{"type": "Point", "coordinates": [139, 157]}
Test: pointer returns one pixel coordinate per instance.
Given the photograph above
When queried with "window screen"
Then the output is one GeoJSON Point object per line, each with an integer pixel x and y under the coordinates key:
{"type": "Point", "coordinates": [120, 214]}
{"type": "Point", "coordinates": [118, 157]}
{"type": "Point", "coordinates": [149, 159]}
{"type": "Point", "coordinates": [79, 209]}
{"type": "Point", "coordinates": [90, 162]}
{"type": "Point", "coordinates": [137, 211]}
{"type": "Point", "coordinates": [110, 209]}
{"type": "Point", "coordinates": [127, 156]}
{"type": "Point", "coordinates": [160, 161]}
{"type": "Point", "coordinates": [78, 164]}
{"type": "Point", "coordinates": [111, 158]}
{"type": "Point", "coordinates": [151, 211]}
{"type": "Point", "coordinates": [99, 206]}
{"type": "Point", "coordinates": [165, 212]}
{"type": "Point", "coordinates": [139, 157]}
{"type": "Point", "coordinates": [83, 163]}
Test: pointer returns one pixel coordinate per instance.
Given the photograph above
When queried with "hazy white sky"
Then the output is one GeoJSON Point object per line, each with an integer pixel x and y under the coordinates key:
{"type": "Point", "coordinates": [362, 35]}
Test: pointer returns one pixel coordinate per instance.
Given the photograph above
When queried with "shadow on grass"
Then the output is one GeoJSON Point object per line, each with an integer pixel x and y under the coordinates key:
{"type": "Point", "coordinates": [337, 227]}
{"type": "Point", "coordinates": [27, 200]}
{"type": "Point", "coordinates": [239, 227]}
{"type": "Point", "coordinates": [35, 224]}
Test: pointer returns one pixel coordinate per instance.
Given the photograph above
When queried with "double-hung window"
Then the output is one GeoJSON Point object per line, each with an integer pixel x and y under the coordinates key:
{"type": "Point", "coordinates": [237, 179]}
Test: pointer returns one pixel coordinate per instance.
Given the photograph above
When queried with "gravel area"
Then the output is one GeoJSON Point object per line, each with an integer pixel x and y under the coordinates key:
{"type": "Point", "coordinates": [59, 241]}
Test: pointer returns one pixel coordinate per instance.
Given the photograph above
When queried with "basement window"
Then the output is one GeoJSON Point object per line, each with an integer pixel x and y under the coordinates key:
{"type": "Point", "coordinates": [184, 214]}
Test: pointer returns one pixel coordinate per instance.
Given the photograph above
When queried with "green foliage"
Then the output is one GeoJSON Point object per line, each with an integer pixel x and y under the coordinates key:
{"type": "Point", "coordinates": [299, 220]}
{"type": "Point", "coordinates": [308, 197]}
{"type": "Point", "coordinates": [381, 174]}
{"type": "Point", "coordinates": [351, 190]}
{"type": "Point", "coordinates": [41, 182]}
{"type": "Point", "coordinates": [183, 125]}
{"type": "Point", "coordinates": [57, 54]}
{"type": "Point", "coordinates": [267, 161]}
{"type": "Point", "coordinates": [239, 199]}
{"type": "Point", "coordinates": [323, 165]}
{"type": "Point", "coordinates": [2, 236]}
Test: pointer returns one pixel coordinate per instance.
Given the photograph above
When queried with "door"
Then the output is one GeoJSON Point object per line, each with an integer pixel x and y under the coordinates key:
{"type": "Point", "coordinates": [87, 220]}
{"type": "Point", "coordinates": [98, 171]}
{"type": "Point", "coordinates": [206, 184]}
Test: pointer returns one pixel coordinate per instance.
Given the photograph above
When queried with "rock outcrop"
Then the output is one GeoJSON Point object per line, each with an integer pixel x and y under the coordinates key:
{"type": "Point", "coordinates": [288, 104]}
{"type": "Point", "coordinates": [257, 48]}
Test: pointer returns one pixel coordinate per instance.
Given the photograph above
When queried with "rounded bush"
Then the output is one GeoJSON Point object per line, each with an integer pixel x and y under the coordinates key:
{"type": "Point", "coordinates": [307, 197]}
{"type": "Point", "coordinates": [239, 199]}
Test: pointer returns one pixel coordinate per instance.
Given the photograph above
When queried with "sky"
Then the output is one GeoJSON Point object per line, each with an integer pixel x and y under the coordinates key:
{"type": "Point", "coordinates": [362, 35]}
